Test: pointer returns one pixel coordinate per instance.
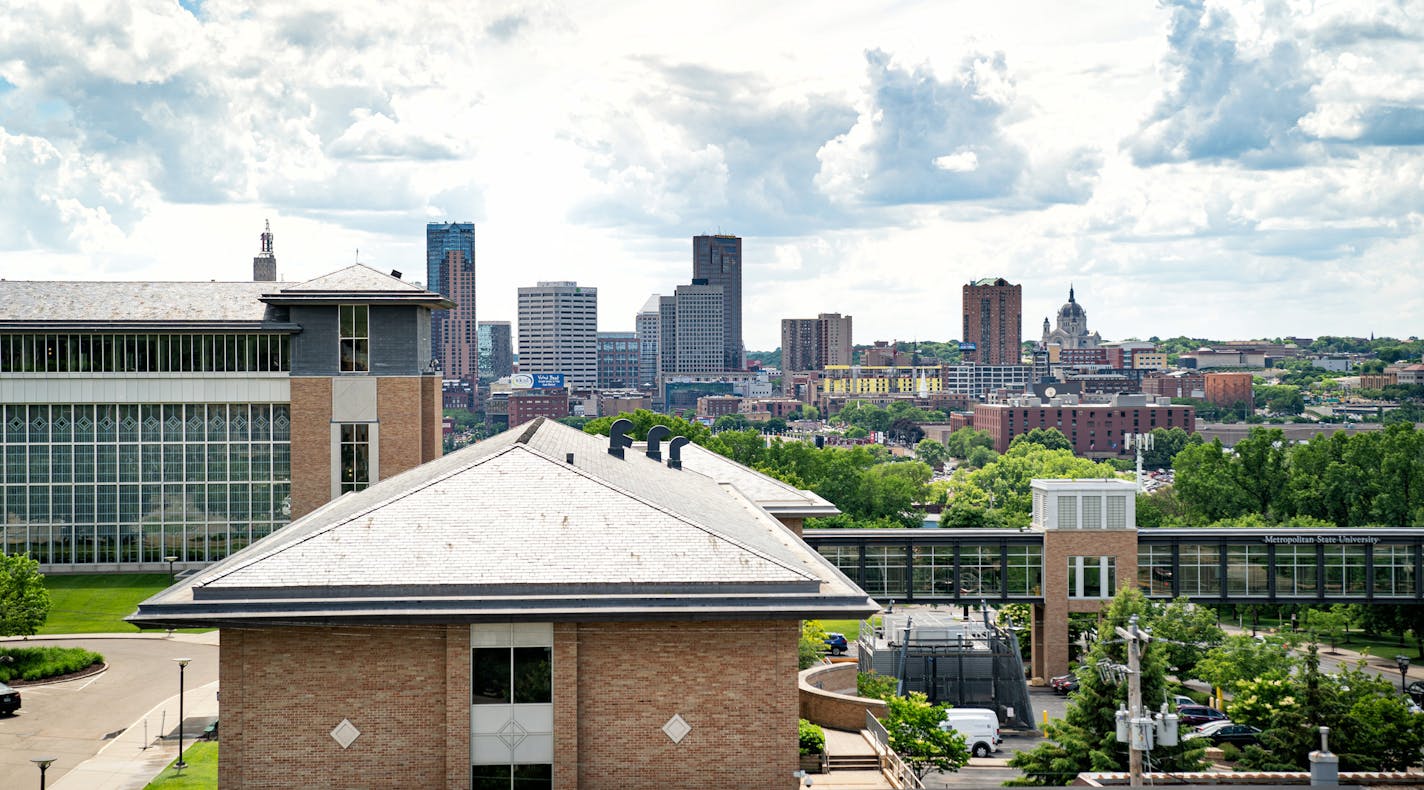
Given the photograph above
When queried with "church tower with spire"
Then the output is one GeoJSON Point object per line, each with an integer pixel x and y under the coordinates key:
{"type": "Point", "coordinates": [264, 265]}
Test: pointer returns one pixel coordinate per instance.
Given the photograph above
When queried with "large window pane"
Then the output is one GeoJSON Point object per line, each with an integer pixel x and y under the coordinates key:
{"type": "Point", "coordinates": [934, 570]}
{"type": "Point", "coordinates": [533, 674]}
{"type": "Point", "coordinates": [489, 680]}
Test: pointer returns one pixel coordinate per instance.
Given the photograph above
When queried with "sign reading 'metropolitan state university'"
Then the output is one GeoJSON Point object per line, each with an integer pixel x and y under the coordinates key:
{"type": "Point", "coordinates": [1319, 539]}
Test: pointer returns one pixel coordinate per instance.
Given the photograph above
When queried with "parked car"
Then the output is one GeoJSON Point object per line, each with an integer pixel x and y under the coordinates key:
{"type": "Point", "coordinates": [1196, 715]}
{"type": "Point", "coordinates": [1219, 732]}
{"type": "Point", "coordinates": [836, 643]}
{"type": "Point", "coordinates": [1180, 700]}
{"type": "Point", "coordinates": [9, 700]}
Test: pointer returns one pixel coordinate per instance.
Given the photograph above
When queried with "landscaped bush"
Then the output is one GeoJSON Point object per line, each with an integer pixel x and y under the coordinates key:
{"type": "Point", "coordinates": [1230, 752]}
{"type": "Point", "coordinates": [813, 738]}
{"type": "Point", "coordinates": [37, 663]}
{"type": "Point", "coordinates": [869, 684]}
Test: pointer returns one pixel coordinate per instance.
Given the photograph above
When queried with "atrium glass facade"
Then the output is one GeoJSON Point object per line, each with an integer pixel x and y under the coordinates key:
{"type": "Point", "coordinates": [970, 570]}
{"type": "Point", "coordinates": [145, 353]}
{"type": "Point", "coordinates": [126, 483]}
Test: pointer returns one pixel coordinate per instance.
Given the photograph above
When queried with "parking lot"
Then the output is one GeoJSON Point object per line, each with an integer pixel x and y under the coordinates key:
{"type": "Point", "coordinates": [74, 719]}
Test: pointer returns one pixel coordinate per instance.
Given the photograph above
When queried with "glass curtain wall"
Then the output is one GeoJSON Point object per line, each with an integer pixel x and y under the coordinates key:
{"type": "Point", "coordinates": [128, 483]}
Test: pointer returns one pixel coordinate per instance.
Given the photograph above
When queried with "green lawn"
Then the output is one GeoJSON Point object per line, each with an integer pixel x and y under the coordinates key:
{"type": "Point", "coordinates": [200, 774]}
{"type": "Point", "coordinates": [851, 628]}
{"type": "Point", "coordinates": [92, 603]}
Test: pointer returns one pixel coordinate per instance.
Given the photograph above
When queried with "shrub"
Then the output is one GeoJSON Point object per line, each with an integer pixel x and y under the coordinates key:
{"type": "Point", "coordinates": [1230, 752]}
{"type": "Point", "coordinates": [38, 663]}
{"type": "Point", "coordinates": [873, 686]}
{"type": "Point", "coordinates": [813, 738]}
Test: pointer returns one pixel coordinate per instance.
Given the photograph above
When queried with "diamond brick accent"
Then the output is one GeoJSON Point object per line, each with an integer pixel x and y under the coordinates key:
{"type": "Point", "coordinates": [345, 733]}
{"type": "Point", "coordinates": [677, 728]}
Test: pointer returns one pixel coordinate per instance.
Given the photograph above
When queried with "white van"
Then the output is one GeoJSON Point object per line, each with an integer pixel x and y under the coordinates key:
{"type": "Point", "coordinates": [979, 726]}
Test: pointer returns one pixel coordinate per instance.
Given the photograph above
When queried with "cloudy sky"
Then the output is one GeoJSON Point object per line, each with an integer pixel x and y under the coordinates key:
{"type": "Point", "coordinates": [1222, 169]}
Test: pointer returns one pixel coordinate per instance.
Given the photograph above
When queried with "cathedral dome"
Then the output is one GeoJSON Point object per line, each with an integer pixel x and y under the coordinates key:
{"type": "Point", "coordinates": [1071, 310]}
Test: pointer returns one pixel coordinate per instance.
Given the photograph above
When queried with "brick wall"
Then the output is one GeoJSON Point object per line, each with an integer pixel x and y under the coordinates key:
{"type": "Point", "coordinates": [284, 689]}
{"type": "Point", "coordinates": [431, 421]}
{"type": "Point", "coordinates": [828, 698]}
{"type": "Point", "coordinates": [407, 689]}
{"type": "Point", "coordinates": [311, 444]}
{"type": "Point", "coordinates": [399, 407]}
{"type": "Point", "coordinates": [457, 706]}
{"type": "Point", "coordinates": [1050, 621]}
{"type": "Point", "coordinates": [734, 683]}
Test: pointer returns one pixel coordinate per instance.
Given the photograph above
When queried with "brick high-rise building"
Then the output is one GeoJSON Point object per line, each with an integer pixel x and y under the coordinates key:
{"type": "Point", "coordinates": [459, 352]}
{"type": "Point", "coordinates": [1228, 389]}
{"type": "Point", "coordinates": [558, 331]}
{"type": "Point", "coordinates": [450, 245]}
{"type": "Point", "coordinates": [993, 322]}
{"type": "Point", "coordinates": [717, 260]}
{"type": "Point", "coordinates": [814, 343]}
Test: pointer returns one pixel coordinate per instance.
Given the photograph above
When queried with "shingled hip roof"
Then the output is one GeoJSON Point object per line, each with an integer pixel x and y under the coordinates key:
{"type": "Point", "coordinates": [540, 522]}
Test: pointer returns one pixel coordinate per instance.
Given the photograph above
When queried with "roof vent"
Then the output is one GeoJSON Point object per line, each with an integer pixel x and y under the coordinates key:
{"type": "Point", "coordinates": [675, 452]}
{"type": "Point", "coordinates": [568, 458]}
{"type": "Point", "coordinates": [656, 435]}
{"type": "Point", "coordinates": [396, 273]}
{"type": "Point", "coordinates": [618, 436]}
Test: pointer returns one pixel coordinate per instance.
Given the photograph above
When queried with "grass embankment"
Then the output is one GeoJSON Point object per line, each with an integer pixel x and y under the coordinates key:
{"type": "Point", "coordinates": [97, 603]}
{"type": "Point", "coordinates": [200, 774]}
{"type": "Point", "coordinates": [38, 663]}
{"type": "Point", "coordinates": [850, 628]}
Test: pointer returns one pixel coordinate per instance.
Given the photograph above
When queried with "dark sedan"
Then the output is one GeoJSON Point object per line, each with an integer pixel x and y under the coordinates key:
{"type": "Point", "coordinates": [9, 699]}
{"type": "Point", "coordinates": [1194, 715]}
{"type": "Point", "coordinates": [1219, 732]}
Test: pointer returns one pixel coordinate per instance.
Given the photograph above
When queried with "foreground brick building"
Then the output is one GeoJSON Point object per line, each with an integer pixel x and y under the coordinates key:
{"type": "Point", "coordinates": [542, 609]}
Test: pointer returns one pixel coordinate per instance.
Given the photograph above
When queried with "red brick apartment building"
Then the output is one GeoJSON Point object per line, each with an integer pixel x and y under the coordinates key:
{"type": "Point", "coordinates": [1227, 389]}
{"type": "Point", "coordinates": [1095, 430]}
{"type": "Point", "coordinates": [526, 612]}
{"type": "Point", "coordinates": [525, 405]}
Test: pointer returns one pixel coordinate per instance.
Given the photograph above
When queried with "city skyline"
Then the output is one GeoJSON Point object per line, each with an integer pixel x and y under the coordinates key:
{"type": "Point", "coordinates": [1230, 170]}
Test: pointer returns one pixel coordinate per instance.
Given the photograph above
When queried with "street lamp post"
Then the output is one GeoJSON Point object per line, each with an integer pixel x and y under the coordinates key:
{"type": "Point", "coordinates": [1402, 661]}
{"type": "Point", "coordinates": [182, 665]}
{"type": "Point", "coordinates": [44, 763]}
{"type": "Point", "coordinates": [170, 559]}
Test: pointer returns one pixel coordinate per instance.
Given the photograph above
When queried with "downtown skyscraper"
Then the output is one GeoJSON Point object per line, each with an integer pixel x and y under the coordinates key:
{"type": "Point", "coordinates": [717, 261]}
{"type": "Point", "coordinates": [450, 271]}
{"type": "Point", "coordinates": [558, 331]}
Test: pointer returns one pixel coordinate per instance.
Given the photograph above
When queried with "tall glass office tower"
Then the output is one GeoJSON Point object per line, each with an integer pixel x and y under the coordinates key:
{"type": "Point", "coordinates": [450, 271]}
{"type": "Point", "coordinates": [718, 261]}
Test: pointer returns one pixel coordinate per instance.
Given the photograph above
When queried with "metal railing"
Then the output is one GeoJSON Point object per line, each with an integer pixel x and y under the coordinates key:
{"type": "Point", "coordinates": [890, 762]}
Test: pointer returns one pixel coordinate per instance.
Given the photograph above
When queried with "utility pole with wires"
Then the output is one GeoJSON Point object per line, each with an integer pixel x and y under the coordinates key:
{"type": "Point", "coordinates": [1142, 441]}
{"type": "Point", "coordinates": [1136, 727]}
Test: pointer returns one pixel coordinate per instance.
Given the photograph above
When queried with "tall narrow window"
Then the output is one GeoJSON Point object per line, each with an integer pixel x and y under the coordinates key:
{"type": "Point", "coordinates": [355, 338]}
{"type": "Point", "coordinates": [511, 706]}
{"type": "Point", "coordinates": [355, 456]}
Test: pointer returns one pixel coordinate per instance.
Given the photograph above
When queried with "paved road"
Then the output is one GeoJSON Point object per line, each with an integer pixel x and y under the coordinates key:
{"type": "Point", "coordinates": [70, 720]}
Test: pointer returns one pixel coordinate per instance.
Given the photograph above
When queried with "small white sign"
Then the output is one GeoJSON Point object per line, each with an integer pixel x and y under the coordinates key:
{"type": "Point", "coordinates": [345, 733]}
{"type": "Point", "coordinates": [677, 728]}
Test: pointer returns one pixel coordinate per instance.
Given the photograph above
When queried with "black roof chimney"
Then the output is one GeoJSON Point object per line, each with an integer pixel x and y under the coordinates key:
{"type": "Point", "coordinates": [618, 436]}
{"type": "Point", "coordinates": [656, 435]}
{"type": "Point", "coordinates": [675, 452]}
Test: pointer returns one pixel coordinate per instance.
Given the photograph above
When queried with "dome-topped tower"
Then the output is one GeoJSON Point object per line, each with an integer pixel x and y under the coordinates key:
{"type": "Point", "coordinates": [1072, 329]}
